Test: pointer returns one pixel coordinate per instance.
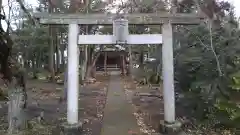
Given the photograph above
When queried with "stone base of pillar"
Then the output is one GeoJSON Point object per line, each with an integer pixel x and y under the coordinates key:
{"type": "Point", "coordinates": [171, 128]}
{"type": "Point", "coordinates": [71, 129]}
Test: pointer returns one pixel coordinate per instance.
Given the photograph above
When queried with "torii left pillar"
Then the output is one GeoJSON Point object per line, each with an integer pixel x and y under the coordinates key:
{"type": "Point", "coordinates": [73, 126]}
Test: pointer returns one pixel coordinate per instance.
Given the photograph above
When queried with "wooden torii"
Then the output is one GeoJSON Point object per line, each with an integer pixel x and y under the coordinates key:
{"type": "Point", "coordinates": [165, 19]}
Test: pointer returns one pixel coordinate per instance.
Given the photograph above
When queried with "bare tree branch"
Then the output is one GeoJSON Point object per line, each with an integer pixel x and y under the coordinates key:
{"type": "Point", "coordinates": [9, 15]}
{"type": "Point", "coordinates": [213, 50]}
{"type": "Point", "coordinates": [20, 2]}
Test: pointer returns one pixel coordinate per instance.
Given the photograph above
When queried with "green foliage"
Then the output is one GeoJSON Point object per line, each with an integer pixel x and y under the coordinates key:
{"type": "Point", "coordinates": [3, 95]}
{"type": "Point", "coordinates": [231, 108]}
{"type": "Point", "coordinates": [154, 79]}
{"type": "Point", "coordinates": [236, 84]}
{"type": "Point", "coordinates": [31, 39]}
{"type": "Point", "coordinates": [213, 97]}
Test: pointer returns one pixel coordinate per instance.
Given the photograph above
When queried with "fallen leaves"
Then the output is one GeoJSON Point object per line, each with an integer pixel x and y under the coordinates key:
{"type": "Point", "coordinates": [138, 113]}
{"type": "Point", "coordinates": [116, 94]}
{"type": "Point", "coordinates": [132, 132]}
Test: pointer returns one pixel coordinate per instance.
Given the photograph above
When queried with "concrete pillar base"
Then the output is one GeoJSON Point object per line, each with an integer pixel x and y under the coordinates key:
{"type": "Point", "coordinates": [170, 128]}
{"type": "Point", "coordinates": [71, 129]}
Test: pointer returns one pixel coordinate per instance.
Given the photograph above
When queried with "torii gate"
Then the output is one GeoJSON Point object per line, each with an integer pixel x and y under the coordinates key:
{"type": "Point", "coordinates": [121, 36]}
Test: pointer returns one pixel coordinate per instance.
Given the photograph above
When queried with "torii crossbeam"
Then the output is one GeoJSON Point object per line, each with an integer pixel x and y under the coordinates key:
{"type": "Point", "coordinates": [107, 19]}
{"type": "Point", "coordinates": [166, 20]}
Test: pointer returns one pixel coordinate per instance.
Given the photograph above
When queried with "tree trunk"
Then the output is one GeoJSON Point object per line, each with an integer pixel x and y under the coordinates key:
{"type": "Point", "coordinates": [93, 71]}
{"type": "Point", "coordinates": [121, 64]}
{"type": "Point", "coordinates": [92, 65]}
{"type": "Point", "coordinates": [89, 62]}
{"type": "Point", "coordinates": [39, 62]}
{"type": "Point", "coordinates": [130, 62]}
{"type": "Point", "coordinates": [25, 63]}
{"type": "Point", "coordinates": [57, 56]}
{"type": "Point", "coordinates": [62, 49]}
{"type": "Point", "coordinates": [17, 100]}
{"type": "Point", "coordinates": [84, 70]}
{"type": "Point", "coordinates": [16, 113]}
{"type": "Point", "coordinates": [51, 51]}
{"type": "Point", "coordinates": [17, 85]}
{"type": "Point", "coordinates": [62, 59]}
{"type": "Point", "coordinates": [25, 58]}
{"type": "Point", "coordinates": [34, 68]}
{"type": "Point", "coordinates": [90, 56]}
{"type": "Point", "coordinates": [124, 65]}
{"type": "Point", "coordinates": [105, 63]}
{"type": "Point", "coordinates": [82, 62]}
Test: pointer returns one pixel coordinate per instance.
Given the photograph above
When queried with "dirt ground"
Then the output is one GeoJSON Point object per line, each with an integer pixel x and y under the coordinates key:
{"type": "Point", "coordinates": [149, 108]}
{"type": "Point", "coordinates": [147, 104]}
{"type": "Point", "coordinates": [43, 98]}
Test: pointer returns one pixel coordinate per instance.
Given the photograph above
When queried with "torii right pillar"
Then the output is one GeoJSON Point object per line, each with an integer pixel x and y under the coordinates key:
{"type": "Point", "coordinates": [169, 125]}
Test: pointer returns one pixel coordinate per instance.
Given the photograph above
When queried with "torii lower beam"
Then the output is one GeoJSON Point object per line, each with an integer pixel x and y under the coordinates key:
{"type": "Point", "coordinates": [109, 39]}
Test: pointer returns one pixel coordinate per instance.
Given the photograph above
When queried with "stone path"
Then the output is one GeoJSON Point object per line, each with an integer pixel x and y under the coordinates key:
{"type": "Point", "coordinates": [118, 118]}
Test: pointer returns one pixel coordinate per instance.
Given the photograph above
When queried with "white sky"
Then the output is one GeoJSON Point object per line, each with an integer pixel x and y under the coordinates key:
{"type": "Point", "coordinates": [236, 4]}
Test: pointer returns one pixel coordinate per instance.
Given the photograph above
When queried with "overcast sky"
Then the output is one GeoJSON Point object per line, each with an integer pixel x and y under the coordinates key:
{"type": "Point", "coordinates": [236, 4]}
